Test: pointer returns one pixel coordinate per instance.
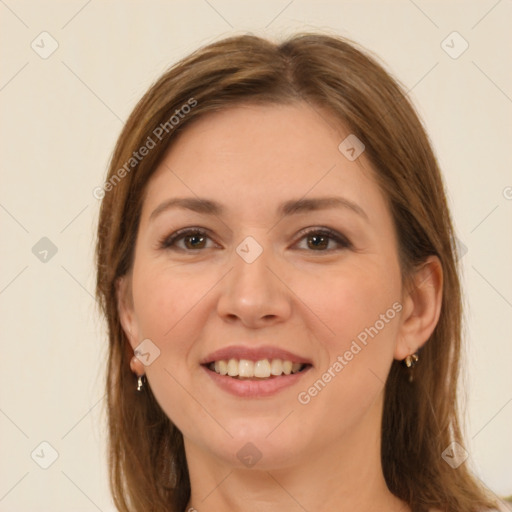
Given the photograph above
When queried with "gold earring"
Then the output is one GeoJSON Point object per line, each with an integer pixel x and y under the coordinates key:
{"type": "Point", "coordinates": [411, 360]}
{"type": "Point", "coordinates": [134, 362]}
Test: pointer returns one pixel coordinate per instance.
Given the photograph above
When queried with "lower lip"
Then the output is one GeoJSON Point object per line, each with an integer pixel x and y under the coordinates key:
{"type": "Point", "coordinates": [255, 388]}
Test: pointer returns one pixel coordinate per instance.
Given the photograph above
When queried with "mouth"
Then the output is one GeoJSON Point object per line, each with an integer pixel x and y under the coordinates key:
{"type": "Point", "coordinates": [262, 369]}
{"type": "Point", "coordinates": [255, 372]}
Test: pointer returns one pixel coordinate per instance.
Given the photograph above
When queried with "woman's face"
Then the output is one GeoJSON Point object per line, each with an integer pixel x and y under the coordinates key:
{"type": "Point", "coordinates": [263, 282]}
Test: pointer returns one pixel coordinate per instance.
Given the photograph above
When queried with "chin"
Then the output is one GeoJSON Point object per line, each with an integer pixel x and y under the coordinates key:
{"type": "Point", "coordinates": [257, 445]}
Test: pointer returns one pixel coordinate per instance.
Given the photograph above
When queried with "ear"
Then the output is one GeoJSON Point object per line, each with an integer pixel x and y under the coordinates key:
{"type": "Point", "coordinates": [422, 308]}
{"type": "Point", "coordinates": [125, 309]}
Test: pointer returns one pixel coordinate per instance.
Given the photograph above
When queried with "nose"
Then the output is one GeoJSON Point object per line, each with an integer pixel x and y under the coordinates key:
{"type": "Point", "coordinates": [253, 293]}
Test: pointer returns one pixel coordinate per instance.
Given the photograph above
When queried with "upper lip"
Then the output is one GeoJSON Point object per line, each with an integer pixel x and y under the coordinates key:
{"type": "Point", "coordinates": [253, 354]}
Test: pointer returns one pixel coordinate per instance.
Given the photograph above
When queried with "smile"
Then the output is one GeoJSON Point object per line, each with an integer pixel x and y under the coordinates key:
{"type": "Point", "coordinates": [254, 371]}
{"type": "Point", "coordinates": [261, 369]}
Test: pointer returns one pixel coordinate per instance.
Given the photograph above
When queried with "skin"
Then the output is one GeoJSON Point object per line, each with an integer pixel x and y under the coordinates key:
{"type": "Point", "coordinates": [323, 455]}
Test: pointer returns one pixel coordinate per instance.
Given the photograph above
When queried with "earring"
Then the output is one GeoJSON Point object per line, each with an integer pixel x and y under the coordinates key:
{"type": "Point", "coordinates": [134, 366]}
{"type": "Point", "coordinates": [411, 360]}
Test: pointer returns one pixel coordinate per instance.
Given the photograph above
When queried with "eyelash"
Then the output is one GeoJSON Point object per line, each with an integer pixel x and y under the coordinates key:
{"type": "Point", "coordinates": [169, 241]}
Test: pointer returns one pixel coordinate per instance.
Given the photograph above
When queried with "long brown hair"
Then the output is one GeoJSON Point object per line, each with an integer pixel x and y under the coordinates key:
{"type": "Point", "coordinates": [148, 469]}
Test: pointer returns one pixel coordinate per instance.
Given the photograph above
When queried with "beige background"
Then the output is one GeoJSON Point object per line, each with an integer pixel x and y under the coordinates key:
{"type": "Point", "coordinates": [61, 116]}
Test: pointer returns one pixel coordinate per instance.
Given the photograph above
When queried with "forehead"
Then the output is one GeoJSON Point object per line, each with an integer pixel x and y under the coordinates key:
{"type": "Point", "coordinates": [254, 156]}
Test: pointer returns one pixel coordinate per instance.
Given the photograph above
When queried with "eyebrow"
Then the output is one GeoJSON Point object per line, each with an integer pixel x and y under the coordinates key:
{"type": "Point", "coordinates": [294, 206]}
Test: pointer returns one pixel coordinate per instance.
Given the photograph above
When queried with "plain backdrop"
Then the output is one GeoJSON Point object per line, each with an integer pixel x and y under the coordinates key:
{"type": "Point", "coordinates": [62, 110]}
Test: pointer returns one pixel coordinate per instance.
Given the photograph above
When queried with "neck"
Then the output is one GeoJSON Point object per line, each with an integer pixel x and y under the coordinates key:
{"type": "Point", "coordinates": [345, 477]}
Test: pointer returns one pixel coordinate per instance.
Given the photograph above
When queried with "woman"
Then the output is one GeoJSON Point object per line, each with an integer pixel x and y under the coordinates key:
{"type": "Point", "coordinates": [276, 262]}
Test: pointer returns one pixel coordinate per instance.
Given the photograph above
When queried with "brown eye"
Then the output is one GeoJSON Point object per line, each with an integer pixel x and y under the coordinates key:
{"type": "Point", "coordinates": [194, 239]}
{"type": "Point", "coordinates": [318, 240]}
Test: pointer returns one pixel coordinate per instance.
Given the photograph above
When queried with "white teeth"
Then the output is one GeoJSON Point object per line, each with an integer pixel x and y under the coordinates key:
{"type": "Point", "coordinates": [245, 368]}
{"type": "Point", "coordinates": [221, 367]}
{"type": "Point", "coordinates": [262, 369]}
{"type": "Point", "coordinates": [276, 368]}
{"type": "Point", "coordinates": [232, 367]}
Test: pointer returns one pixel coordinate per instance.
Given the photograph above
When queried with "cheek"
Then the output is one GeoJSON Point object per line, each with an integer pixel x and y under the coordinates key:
{"type": "Point", "coordinates": [168, 308]}
{"type": "Point", "coordinates": [361, 308]}
{"type": "Point", "coordinates": [351, 301]}
{"type": "Point", "coordinates": [360, 354]}
{"type": "Point", "coordinates": [163, 299]}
